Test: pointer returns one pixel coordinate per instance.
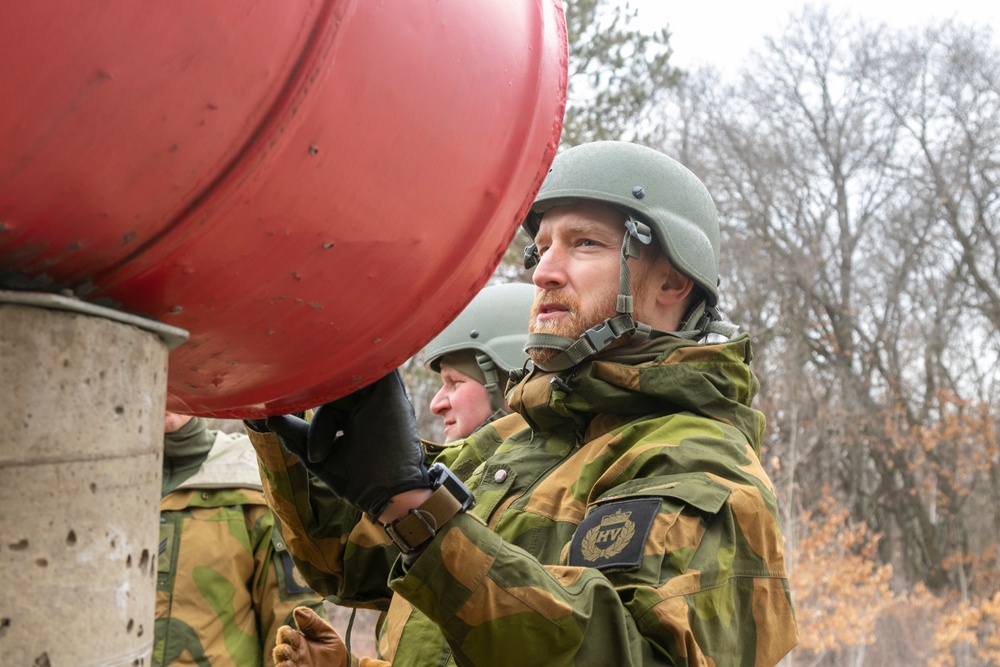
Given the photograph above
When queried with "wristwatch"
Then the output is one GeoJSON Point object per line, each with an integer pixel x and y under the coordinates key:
{"type": "Point", "coordinates": [449, 497]}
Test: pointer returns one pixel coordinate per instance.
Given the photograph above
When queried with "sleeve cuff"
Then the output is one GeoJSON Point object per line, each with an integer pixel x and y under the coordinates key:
{"type": "Point", "coordinates": [450, 570]}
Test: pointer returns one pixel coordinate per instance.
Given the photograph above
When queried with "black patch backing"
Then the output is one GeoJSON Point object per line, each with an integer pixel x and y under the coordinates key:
{"type": "Point", "coordinates": [613, 536]}
{"type": "Point", "coordinates": [294, 583]}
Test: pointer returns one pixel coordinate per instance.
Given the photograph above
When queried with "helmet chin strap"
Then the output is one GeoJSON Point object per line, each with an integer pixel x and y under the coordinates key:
{"type": "Point", "coordinates": [701, 320]}
{"type": "Point", "coordinates": [492, 384]}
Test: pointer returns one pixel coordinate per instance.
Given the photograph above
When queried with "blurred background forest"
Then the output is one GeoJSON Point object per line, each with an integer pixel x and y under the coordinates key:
{"type": "Point", "coordinates": [855, 170]}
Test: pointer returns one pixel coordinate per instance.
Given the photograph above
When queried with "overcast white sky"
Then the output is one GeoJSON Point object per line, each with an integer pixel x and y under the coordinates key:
{"type": "Point", "coordinates": [722, 32]}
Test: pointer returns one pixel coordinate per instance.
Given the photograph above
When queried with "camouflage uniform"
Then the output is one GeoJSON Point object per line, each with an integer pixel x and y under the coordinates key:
{"type": "Point", "coordinates": [223, 587]}
{"type": "Point", "coordinates": [631, 524]}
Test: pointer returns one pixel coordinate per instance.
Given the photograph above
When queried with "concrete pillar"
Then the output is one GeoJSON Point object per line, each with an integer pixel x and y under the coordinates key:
{"type": "Point", "coordinates": [81, 441]}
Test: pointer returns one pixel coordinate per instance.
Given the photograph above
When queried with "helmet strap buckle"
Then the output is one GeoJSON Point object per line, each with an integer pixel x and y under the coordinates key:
{"type": "Point", "coordinates": [600, 335]}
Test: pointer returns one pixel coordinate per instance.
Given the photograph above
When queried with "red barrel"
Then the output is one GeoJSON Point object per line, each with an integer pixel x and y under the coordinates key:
{"type": "Point", "coordinates": [312, 189]}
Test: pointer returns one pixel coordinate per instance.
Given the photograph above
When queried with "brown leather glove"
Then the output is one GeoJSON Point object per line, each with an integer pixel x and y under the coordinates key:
{"type": "Point", "coordinates": [314, 644]}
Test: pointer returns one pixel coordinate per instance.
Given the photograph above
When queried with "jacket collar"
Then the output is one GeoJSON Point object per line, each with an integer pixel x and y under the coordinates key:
{"type": "Point", "coordinates": [661, 376]}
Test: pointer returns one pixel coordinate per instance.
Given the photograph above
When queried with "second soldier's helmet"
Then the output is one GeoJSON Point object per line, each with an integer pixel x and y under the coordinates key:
{"type": "Point", "coordinates": [494, 328]}
{"type": "Point", "coordinates": [495, 323]}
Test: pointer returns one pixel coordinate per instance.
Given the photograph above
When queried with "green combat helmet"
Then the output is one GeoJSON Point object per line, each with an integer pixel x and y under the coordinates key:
{"type": "Point", "coordinates": [661, 198]}
{"type": "Point", "coordinates": [494, 328]}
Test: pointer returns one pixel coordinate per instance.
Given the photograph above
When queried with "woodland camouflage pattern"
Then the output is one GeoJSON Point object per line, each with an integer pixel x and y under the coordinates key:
{"type": "Point", "coordinates": [225, 583]}
{"type": "Point", "coordinates": [631, 524]}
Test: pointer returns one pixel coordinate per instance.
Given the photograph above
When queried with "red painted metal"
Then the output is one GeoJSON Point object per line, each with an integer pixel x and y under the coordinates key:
{"type": "Point", "coordinates": [311, 189]}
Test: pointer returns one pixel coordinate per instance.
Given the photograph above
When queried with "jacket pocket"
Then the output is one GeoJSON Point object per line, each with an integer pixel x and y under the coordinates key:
{"type": "Point", "coordinates": [651, 526]}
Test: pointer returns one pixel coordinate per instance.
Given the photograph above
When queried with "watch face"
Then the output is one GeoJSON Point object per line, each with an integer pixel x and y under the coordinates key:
{"type": "Point", "coordinates": [446, 478]}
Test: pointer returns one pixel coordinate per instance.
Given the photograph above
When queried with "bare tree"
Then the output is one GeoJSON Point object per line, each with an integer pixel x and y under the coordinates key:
{"type": "Point", "coordinates": [618, 73]}
{"type": "Point", "coordinates": [854, 168]}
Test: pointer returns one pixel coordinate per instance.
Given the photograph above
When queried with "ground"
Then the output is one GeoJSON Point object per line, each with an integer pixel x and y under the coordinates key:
{"type": "Point", "coordinates": [362, 632]}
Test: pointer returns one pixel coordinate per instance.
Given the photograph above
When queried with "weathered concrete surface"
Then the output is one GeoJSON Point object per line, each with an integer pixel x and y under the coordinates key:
{"type": "Point", "coordinates": [81, 436]}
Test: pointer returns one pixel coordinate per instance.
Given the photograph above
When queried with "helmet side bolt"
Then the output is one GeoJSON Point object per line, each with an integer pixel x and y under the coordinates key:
{"type": "Point", "coordinates": [638, 192]}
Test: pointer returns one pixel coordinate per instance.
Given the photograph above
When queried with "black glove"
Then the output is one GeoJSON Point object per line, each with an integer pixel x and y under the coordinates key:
{"type": "Point", "coordinates": [364, 446]}
{"type": "Point", "coordinates": [260, 425]}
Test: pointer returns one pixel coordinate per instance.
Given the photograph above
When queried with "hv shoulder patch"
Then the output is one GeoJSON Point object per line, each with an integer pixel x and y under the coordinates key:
{"type": "Point", "coordinates": [613, 536]}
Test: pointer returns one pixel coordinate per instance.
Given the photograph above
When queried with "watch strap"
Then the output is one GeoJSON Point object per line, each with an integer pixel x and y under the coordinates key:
{"type": "Point", "coordinates": [421, 524]}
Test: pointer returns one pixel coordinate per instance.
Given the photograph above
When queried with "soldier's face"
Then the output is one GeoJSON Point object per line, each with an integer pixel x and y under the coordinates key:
{"type": "Point", "coordinates": [173, 422]}
{"type": "Point", "coordinates": [462, 403]}
{"type": "Point", "coordinates": [577, 274]}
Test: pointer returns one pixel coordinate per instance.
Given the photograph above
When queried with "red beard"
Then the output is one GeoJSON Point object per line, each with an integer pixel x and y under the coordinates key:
{"type": "Point", "coordinates": [570, 325]}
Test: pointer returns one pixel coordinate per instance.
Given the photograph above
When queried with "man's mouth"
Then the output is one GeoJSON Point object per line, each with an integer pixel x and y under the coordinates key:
{"type": "Point", "coordinates": [550, 310]}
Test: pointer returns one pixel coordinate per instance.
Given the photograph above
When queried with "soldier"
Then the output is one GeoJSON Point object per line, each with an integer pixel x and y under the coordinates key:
{"type": "Point", "coordinates": [223, 586]}
{"type": "Point", "coordinates": [474, 356]}
{"type": "Point", "coordinates": [630, 522]}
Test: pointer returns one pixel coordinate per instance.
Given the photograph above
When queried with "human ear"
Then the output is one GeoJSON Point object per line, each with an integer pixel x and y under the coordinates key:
{"type": "Point", "coordinates": [674, 286]}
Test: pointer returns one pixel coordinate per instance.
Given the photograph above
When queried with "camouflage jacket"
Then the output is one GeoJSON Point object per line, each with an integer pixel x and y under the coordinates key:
{"type": "Point", "coordinates": [630, 523]}
{"type": "Point", "coordinates": [223, 586]}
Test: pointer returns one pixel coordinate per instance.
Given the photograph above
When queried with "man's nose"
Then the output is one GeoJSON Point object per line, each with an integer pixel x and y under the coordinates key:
{"type": "Point", "coordinates": [550, 272]}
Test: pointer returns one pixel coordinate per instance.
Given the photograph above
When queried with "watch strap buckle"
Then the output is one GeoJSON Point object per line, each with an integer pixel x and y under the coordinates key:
{"type": "Point", "coordinates": [421, 524]}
